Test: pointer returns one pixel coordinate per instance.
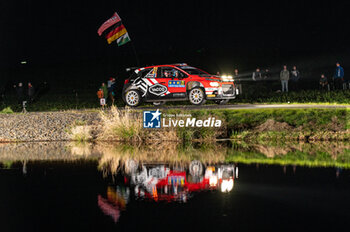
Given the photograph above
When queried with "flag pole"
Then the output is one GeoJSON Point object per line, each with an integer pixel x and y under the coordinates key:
{"type": "Point", "coordinates": [135, 53]}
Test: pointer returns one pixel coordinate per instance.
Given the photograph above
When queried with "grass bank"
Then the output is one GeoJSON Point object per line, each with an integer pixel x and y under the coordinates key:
{"type": "Point", "coordinates": [246, 125]}
{"type": "Point", "coordinates": [278, 124]}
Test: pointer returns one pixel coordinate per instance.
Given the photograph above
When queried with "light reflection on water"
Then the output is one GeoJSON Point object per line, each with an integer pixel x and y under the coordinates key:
{"type": "Point", "coordinates": [176, 173]}
{"type": "Point", "coordinates": [164, 183]}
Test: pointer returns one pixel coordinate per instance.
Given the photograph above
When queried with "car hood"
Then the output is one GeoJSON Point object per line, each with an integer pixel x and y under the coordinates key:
{"type": "Point", "coordinates": [209, 77]}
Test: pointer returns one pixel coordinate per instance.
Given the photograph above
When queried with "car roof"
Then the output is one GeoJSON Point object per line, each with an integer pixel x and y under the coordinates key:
{"type": "Point", "coordinates": [161, 65]}
{"type": "Point", "coordinates": [178, 66]}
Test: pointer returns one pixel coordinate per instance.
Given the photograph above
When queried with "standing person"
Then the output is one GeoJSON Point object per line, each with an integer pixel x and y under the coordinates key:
{"type": "Point", "coordinates": [323, 82]}
{"type": "Point", "coordinates": [265, 86]}
{"type": "Point", "coordinates": [284, 77]}
{"type": "Point", "coordinates": [111, 85]}
{"type": "Point", "coordinates": [105, 91]}
{"type": "Point", "coordinates": [110, 82]}
{"type": "Point", "coordinates": [31, 92]}
{"type": "Point", "coordinates": [256, 75]}
{"type": "Point", "coordinates": [295, 77]}
{"type": "Point", "coordinates": [338, 76]}
{"type": "Point", "coordinates": [100, 96]}
{"type": "Point", "coordinates": [19, 92]}
{"type": "Point", "coordinates": [267, 74]}
{"type": "Point", "coordinates": [237, 80]}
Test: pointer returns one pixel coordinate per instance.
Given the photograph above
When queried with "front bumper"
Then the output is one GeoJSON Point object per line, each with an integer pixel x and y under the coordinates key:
{"type": "Point", "coordinates": [220, 93]}
{"type": "Point", "coordinates": [219, 97]}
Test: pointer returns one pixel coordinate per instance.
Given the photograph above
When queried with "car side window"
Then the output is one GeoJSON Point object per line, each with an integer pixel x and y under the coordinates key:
{"type": "Point", "coordinates": [145, 73]}
{"type": "Point", "coordinates": [170, 72]}
{"type": "Point", "coordinates": [179, 74]}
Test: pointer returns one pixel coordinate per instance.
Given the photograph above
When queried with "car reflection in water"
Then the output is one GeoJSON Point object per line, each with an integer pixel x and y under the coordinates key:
{"type": "Point", "coordinates": [166, 183]}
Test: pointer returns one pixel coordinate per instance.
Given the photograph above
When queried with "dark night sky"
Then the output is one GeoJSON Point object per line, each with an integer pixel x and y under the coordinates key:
{"type": "Point", "coordinates": [228, 32]}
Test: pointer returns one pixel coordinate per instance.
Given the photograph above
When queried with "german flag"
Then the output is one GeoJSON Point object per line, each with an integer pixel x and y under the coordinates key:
{"type": "Point", "coordinates": [114, 30]}
{"type": "Point", "coordinates": [115, 33]}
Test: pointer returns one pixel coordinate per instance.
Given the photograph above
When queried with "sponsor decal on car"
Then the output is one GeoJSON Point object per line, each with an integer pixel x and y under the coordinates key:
{"type": "Point", "coordinates": [176, 84]}
{"type": "Point", "coordinates": [158, 89]}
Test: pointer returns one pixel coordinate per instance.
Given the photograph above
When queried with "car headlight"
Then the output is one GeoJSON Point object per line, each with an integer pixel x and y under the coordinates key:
{"type": "Point", "coordinates": [227, 78]}
{"type": "Point", "coordinates": [214, 84]}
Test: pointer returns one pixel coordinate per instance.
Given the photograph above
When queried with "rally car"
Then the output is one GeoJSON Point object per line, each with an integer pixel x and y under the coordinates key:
{"type": "Point", "coordinates": [176, 82]}
{"type": "Point", "coordinates": [163, 182]}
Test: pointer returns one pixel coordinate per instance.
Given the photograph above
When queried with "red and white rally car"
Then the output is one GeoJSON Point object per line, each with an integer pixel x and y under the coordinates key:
{"type": "Point", "coordinates": [164, 182]}
{"type": "Point", "coordinates": [176, 82]}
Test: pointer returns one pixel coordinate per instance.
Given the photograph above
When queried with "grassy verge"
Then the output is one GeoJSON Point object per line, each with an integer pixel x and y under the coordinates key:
{"type": "Point", "coordinates": [280, 124]}
{"type": "Point", "coordinates": [6, 110]}
{"type": "Point", "coordinates": [88, 100]}
{"type": "Point", "coordinates": [249, 125]}
{"type": "Point", "coordinates": [298, 158]}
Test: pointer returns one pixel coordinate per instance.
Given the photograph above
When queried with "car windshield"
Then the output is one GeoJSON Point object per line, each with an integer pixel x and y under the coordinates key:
{"type": "Point", "coordinates": [192, 70]}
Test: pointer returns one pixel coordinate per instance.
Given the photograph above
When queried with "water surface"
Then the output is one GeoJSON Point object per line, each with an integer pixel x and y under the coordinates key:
{"type": "Point", "coordinates": [104, 187]}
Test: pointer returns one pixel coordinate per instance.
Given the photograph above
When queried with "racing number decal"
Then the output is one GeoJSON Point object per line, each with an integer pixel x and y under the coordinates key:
{"type": "Point", "coordinates": [152, 73]}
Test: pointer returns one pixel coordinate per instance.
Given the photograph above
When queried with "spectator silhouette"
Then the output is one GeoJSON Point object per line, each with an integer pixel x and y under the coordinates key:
{"type": "Point", "coordinates": [19, 92]}
{"type": "Point", "coordinates": [256, 76]}
{"type": "Point", "coordinates": [31, 92]}
{"type": "Point", "coordinates": [267, 74]}
{"type": "Point", "coordinates": [323, 83]}
{"type": "Point", "coordinates": [294, 78]}
{"type": "Point", "coordinates": [338, 76]}
{"type": "Point", "coordinates": [238, 83]}
{"type": "Point", "coordinates": [284, 77]}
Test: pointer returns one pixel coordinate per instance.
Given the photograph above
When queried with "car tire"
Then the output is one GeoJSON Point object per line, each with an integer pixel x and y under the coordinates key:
{"type": "Point", "coordinates": [196, 96]}
{"type": "Point", "coordinates": [131, 166]}
{"type": "Point", "coordinates": [133, 98]}
{"type": "Point", "coordinates": [222, 102]}
{"type": "Point", "coordinates": [196, 168]}
{"type": "Point", "coordinates": [158, 103]}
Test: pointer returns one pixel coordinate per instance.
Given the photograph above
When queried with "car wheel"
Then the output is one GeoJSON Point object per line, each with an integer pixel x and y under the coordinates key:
{"type": "Point", "coordinates": [196, 96]}
{"type": "Point", "coordinates": [222, 102]}
{"type": "Point", "coordinates": [133, 98]}
{"type": "Point", "coordinates": [196, 168]}
{"type": "Point", "coordinates": [131, 166]}
{"type": "Point", "coordinates": [159, 103]}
